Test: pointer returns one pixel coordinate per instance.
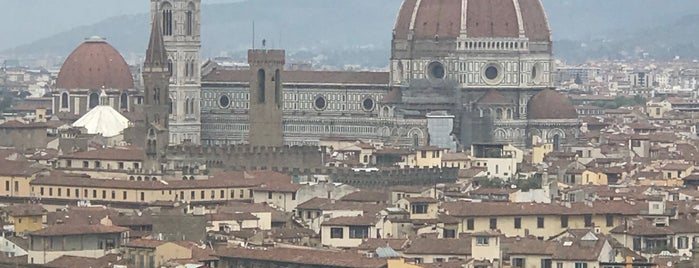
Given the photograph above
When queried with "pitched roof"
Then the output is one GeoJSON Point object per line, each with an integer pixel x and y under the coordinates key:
{"type": "Point", "coordinates": [18, 168]}
{"type": "Point", "coordinates": [23, 210]}
{"type": "Point", "coordinates": [61, 230]}
{"type": "Point", "coordinates": [366, 196]}
{"type": "Point", "coordinates": [466, 209]}
{"type": "Point", "coordinates": [14, 124]}
{"type": "Point", "coordinates": [145, 243]}
{"type": "Point", "coordinates": [67, 261]}
{"type": "Point", "coordinates": [493, 97]}
{"type": "Point", "coordinates": [303, 257]}
{"type": "Point", "coordinates": [112, 153]}
{"type": "Point", "coordinates": [351, 221]}
{"type": "Point", "coordinates": [439, 246]}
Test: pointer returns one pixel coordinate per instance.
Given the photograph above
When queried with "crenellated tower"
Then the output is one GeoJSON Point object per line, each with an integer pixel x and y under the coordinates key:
{"type": "Point", "coordinates": [181, 26]}
{"type": "Point", "coordinates": [266, 97]}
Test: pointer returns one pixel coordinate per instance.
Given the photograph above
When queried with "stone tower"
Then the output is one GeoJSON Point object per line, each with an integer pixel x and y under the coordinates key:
{"type": "Point", "coordinates": [266, 98]}
{"type": "Point", "coordinates": [156, 107]}
{"type": "Point", "coordinates": [181, 24]}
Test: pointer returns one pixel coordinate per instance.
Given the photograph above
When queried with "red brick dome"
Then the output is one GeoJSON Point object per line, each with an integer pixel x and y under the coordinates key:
{"type": "Point", "coordinates": [484, 19]}
{"type": "Point", "coordinates": [95, 64]}
{"type": "Point", "coordinates": [549, 104]}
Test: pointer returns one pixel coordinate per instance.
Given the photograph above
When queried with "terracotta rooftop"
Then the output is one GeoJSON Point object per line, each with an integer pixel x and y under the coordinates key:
{"type": "Point", "coordinates": [61, 179]}
{"type": "Point", "coordinates": [485, 19]}
{"type": "Point", "coordinates": [465, 209]}
{"type": "Point", "coordinates": [24, 210]}
{"type": "Point", "coordinates": [18, 168]}
{"type": "Point", "coordinates": [239, 216]}
{"type": "Point", "coordinates": [303, 257]}
{"type": "Point", "coordinates": [66, 261]}
{"type": "Point", "coordinates": [438, 246]}
{"type": "Point", "coordinates": [95, 64]}
{"type": "Point", "coordinates": [351, 221]}
{"type": "Point", "coordinates": [549, 104]}
{"type": "Point", "coordinates": [118, 154]}
{"type": "Point", "coordinates": [63, 230]}
{"type": "Point", "coordinates": [367, 196]}
{"type": "Point", "coordinates": [14, 124]}
{"type": "Point", "coordinates": [145, 243]}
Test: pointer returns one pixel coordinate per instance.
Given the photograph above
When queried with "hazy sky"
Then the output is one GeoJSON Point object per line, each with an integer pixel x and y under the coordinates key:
{"type": "Point", "coordinates": [42, 18]}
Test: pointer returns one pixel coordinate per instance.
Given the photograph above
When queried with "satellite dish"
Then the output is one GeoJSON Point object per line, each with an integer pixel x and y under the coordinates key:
{"type": "Point", "coordinates": [669, 264]}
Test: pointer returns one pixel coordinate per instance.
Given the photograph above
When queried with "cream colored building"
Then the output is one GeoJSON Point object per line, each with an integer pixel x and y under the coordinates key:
{"type": "Point", "coordinates": [540, 219]}
{"type": "Point", "coordinates": [92, 241]}
{"type": "Point", "coordinates": [348, 232]}
{"type": "Point", "coordinates": [145, 253]}
{"type": "Point", "coordinates": [420, 208]}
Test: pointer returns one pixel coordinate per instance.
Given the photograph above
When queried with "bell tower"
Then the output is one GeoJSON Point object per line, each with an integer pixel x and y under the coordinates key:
{"type": "Point", "coordinates": [266, 97]}
{"type": "Point", "coordinates": [181, 26]}
{"type": "Point", "coordinates": [155, 104]}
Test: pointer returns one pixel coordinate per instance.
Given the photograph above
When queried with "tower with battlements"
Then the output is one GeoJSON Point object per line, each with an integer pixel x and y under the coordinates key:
{"type": "Point", "coordinates": [266, 97]}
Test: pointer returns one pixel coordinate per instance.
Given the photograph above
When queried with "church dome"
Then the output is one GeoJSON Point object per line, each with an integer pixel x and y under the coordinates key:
{"type": "Point", "coordinates": [95, 64]}
{"type": "Point", "coordinates": [483, 19]}
{"type": "Point", "coordinates": [549, 104]}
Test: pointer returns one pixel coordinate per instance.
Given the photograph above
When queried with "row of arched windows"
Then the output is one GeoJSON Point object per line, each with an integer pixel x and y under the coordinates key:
{"type": "Point", "coordinates": [94, 100]}
{"type": "Point", "coordinates": [261, 87]}
{"type": "Point", "coordinates": [189, 19]}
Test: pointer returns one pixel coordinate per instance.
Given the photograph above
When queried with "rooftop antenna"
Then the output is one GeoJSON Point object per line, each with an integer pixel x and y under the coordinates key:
{"type": "Point", "coordinates": [253, 35]}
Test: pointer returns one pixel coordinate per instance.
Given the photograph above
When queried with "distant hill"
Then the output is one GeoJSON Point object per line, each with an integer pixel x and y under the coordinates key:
{"type": "Point", "coordinates": [359, 31]}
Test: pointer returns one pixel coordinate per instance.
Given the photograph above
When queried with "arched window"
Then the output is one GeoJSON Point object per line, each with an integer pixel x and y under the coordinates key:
{"type": "Point", "coordinates": [186, 106]}
{"type": "Point", "coordinates": [191, 107]}
{"type": "Point", "coordinates": [416, 140]}
{"type": "Point", "coordinates": [278, 88]}
{"type": "Point", "coordinates": [261, 86]}
{"type": "Point", "coordinates": [556, 142]}
{"type": "Point", "coordinates": [94, 100]}
{"type": "Point", "coordinates": [498, 114]}
{"type": "Point", "coordinates": [64, 100]}
{"type": "Point", "coordinates": [170, 67]}
{"type": "Point", "coordinates": [186, 68]}
{"type": "Point", "coordinates": [189, 20]}
{"type": "Point", "coordinates": [124, 101]}
{"type": "Point", "coordinates": [170, 109]}
{"type": "Point", "coordinates": [167, 18]}
{"type": "Point", "coordinates": [156, 96]}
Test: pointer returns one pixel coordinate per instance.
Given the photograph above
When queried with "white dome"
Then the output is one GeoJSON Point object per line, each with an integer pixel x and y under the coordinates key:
{"type": "Point", "coordinates": [103, 120]}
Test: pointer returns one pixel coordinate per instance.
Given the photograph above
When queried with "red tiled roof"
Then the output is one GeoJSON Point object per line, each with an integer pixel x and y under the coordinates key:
{"type": "Point", "coordinates": [144, 243]}
{"type": "Point", "coordinates": [17, 168]}
{"type": "Point", "coordinates": [303, 257]}
{"type": "Point", "coordinates": [348, 221]}
{"type": "Point", "coordinates": [14, 124]}
{"type": "Point", "coordinates": [95, 65]}
{"type": "Point", "coordinates": [485, 19]}
{"type": "Point", "coordinates": [61, 230]}
{"type": "Point", "coordinates": [465, 209]}
{"type": "Point", "coordinates": [25, 210]}
{"type": "Point", "coordinates": [119, 154]}
{"type": "Point", "coordinates": [435, 246]}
